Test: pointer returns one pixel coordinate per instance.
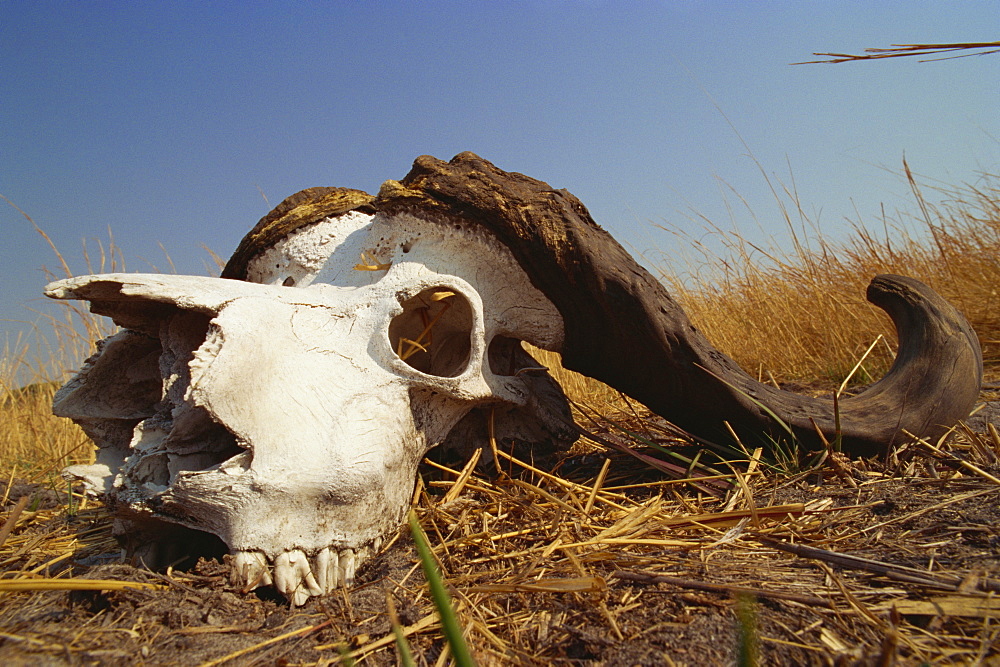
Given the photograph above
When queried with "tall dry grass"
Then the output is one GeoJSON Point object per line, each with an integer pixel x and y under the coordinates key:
{"type": "Point", "coordinates": [34, 444]}
{"type": "Point", "coordinates": [800, 314]}
{"type": "Point", "coordinates": [793, 314]}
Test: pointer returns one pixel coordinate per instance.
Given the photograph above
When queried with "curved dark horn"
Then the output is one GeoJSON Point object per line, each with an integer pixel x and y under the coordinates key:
{"type": "Point", "coordinates": [623, 328]}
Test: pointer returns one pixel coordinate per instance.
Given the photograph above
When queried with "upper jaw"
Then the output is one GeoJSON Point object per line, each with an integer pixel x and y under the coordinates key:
{"type": "Point", "coordinates": [302, 541]}
{"type": "Point", "coordinates": [302, 549]}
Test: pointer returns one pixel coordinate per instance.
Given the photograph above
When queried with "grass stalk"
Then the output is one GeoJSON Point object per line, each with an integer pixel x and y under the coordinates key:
{"type": "Point", "coordinates": [442, 600]}
{"type": "Point", "coordinates": [748, 641]}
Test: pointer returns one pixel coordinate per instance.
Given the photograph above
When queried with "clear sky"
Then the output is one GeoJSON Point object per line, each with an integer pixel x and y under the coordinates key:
{"type": "Point", "coordinates": [167, 121]}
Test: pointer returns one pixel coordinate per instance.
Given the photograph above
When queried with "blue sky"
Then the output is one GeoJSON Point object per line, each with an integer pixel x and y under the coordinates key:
{"type": "Point", "coordinates": [166, 122]}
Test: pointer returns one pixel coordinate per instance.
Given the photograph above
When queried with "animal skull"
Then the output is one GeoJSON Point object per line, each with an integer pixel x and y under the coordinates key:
{"type": "Point", "coordinates": [287, 415]}
{"type": "Point", "coordinates": [285, 411]}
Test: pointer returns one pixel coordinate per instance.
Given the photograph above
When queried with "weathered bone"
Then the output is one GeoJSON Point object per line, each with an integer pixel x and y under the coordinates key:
{"type": "Point", "coordinates": [284, 407]}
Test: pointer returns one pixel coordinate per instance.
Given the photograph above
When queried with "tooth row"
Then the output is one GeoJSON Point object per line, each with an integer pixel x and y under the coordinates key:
{"type": "Point", "coordinates": [295, 575]}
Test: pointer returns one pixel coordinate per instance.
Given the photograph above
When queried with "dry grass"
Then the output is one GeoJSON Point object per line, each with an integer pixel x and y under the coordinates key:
{"type": "Point", "coordinates": [747, 298]}
{"type": "Point", "coordinates": [509, 544]}
{"type": "Point", "coordinates": [941, 51]}
{"type": "Point", "coordinates": [33, 442]}
{"type": "Point", "coordinates": [586, 566]}
{"type": "Point", "coordinates": [595, 557]}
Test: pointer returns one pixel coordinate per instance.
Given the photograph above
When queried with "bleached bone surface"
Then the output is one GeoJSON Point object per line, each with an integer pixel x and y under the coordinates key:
{"type": "Point", "coordinates": [287, 416]}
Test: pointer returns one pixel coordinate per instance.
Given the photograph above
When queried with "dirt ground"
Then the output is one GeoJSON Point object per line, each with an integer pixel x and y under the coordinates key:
{"type": "Point", "coordinates": [558, 570]}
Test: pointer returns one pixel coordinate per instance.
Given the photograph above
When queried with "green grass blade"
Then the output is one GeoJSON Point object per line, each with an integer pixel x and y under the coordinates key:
{"type": "Point", "coordinates": [452, 631]}
{"type": "Point", "coordinates": [748, 640]}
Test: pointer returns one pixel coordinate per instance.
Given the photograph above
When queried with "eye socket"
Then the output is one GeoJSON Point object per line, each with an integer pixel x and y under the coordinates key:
{"type": "Point", "coordinates": [434, 332]}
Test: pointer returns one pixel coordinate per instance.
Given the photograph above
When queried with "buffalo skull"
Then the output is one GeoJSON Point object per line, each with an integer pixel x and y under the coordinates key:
{"type": "Point", "coordinates": [284, 407]}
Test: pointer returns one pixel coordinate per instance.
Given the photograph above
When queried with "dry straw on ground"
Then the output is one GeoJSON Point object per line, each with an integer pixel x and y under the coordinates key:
{"type": "Point", "coordinates": [563, 569]}
{"type": "Point", "coordinates": [594, 557]}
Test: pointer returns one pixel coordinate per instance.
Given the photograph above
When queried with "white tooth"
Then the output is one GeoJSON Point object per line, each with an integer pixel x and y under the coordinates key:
{"type": "Point", "coordinates": [377, 545]}
{"type": "Point", "coordinates": [250, 569]}
{"type": "Point", "coordinates": [333, 576]}
{"type": "Point", "coordinates": [313, 586]}
{"type": "Point", "coordinates": [288, 575]}
{"type": "Point", "coordinates": [285, 579]}
{"type": "Point", "coordinates": [326, 569]}
{"type": "Point", "coordinates": [293, 578]}
{"type": "Point", "coordinates": [347, 567]}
